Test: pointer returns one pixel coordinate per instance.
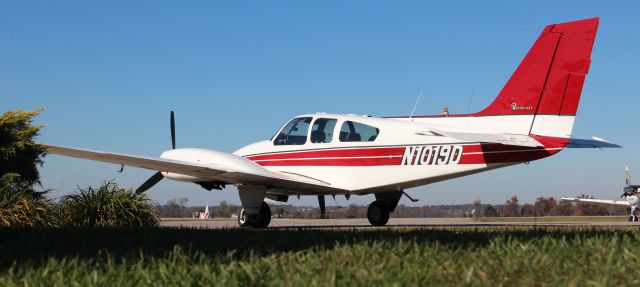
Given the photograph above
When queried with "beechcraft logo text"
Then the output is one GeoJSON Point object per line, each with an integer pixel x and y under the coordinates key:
{"type": "Point", "coordinates": [515, 107]}
{"type": "Point", "coordinates": [432, 155]}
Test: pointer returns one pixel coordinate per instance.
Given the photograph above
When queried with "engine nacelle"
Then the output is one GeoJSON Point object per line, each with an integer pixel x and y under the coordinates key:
{"type": "Point", "coordinates": [212, 159]}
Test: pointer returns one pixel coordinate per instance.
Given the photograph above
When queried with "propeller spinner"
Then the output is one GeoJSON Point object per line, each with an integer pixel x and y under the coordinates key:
{"type": "Point", "coordinates": [157, 177]}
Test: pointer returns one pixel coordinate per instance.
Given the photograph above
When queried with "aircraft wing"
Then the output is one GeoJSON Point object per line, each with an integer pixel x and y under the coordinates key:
{"type": "Point", "coordinates": [597, 201]}
{"type": "Point", "coordinates": [254, 174]}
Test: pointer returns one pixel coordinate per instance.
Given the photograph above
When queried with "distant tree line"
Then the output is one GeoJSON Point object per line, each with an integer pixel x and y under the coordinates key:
{"type": "Point", "coordinates": [543, 206]}
{"type": "Point", "coordinates": [178, 208]}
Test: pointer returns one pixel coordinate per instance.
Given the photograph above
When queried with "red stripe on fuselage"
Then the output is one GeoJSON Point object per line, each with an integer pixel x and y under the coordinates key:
{"type": "Point", "coordinates": [341, 152]}
{"type": "Point", "coordinates": [385, 156]}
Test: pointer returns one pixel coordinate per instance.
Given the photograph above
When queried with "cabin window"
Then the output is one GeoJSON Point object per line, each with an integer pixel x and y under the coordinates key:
{"type": "Point", "coordinates": [294, 132]}
{"type": "Point", "coordinates": [322, 130]}
{"type": "Point", "coordinates": [357, 132]}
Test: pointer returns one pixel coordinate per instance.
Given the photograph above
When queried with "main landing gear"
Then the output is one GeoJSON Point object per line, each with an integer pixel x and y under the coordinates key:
{"type": "Point", "coordinates": [379, 210]}
{"type": "Point", "coordinates": [257, 214]}
{"type": "Point", "coordinates": [260, 220]}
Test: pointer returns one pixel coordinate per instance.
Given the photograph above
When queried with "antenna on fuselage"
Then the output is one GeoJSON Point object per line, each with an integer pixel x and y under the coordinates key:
{"type": "Point", "coordinates": [470, 100]}
{"type": "Point", "coordinates": [416, 105]}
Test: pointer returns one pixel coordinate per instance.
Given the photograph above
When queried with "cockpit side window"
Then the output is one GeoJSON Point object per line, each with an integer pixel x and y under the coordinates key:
{"type": "Point", "coordinates": [322, 130]}
{"type": "Point", "coordinates": [294, 132]}
{"type": "Point", "coordinates": [357, 132]}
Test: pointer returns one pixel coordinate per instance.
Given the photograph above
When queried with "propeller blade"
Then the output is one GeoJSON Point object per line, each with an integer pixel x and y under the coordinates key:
{"type": "Point", "coordinates": [173, 132]}
{"type": "Point", "coordinates": [150, 182]}
{"type": "Point", "coordinates": [627, 174]}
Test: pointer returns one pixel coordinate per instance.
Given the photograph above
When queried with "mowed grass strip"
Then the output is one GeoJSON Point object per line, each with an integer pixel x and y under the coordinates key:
{"type": "Point", "coordinates": [504, 256]}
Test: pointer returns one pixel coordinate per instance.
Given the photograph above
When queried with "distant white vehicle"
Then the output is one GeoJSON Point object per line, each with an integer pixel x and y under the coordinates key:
{"type": "Point", "coordinates": [629, 193]}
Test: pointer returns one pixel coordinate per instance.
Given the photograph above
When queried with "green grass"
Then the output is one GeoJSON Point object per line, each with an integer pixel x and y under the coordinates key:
{"type": "Point", "coordinates": [474, 256]}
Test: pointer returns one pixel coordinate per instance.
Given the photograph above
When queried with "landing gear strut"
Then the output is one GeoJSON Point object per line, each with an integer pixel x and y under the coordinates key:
{"type": "Point", "coordinates": [322, 206]}
{"type": "Point", "coordinates": [260, 220]}
{"type": "Point", "coordinates": [632, 214]}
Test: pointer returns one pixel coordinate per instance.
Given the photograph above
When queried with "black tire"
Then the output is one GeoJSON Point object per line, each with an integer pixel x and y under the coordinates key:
{"type": "Point", "coordinates": [264, 218]}
{"type": "Point", "coordinates": [377, 214]}
{"type": "Point", "coordinates": [245, 220]}
{"type": "Point", "coordinates": [631, 215]}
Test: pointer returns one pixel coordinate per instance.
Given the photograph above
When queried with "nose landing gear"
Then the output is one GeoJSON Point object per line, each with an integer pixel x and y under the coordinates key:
{"type": "Point", "coordinates": [377, 214]}
{"type": "Point", "coordinates": [379, 210]}
{"type": "Point", "coordinates": [632, 214]}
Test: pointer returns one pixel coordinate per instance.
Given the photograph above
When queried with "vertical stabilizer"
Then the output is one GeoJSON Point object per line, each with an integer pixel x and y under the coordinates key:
{"type": "Point", "coordinates": [548, 81]}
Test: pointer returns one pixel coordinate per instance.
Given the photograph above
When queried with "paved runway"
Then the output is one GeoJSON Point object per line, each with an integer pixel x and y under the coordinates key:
{"type": "Point", "coordinates": [398, 222]}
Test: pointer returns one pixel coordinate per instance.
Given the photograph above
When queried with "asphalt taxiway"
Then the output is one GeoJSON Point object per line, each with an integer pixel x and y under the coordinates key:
{"type": "Point", "coordinates": [397, 222]}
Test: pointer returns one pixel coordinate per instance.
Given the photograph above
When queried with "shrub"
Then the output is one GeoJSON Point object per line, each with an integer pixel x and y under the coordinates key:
{"type": "Point", "coordinates": [108, 206]}
{"type": "Point", "coordinates": [19, 153]}
{"type": "Point", "coordinates": [21, 206]}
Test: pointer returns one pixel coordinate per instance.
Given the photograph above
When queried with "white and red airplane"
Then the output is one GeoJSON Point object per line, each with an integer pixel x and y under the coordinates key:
{"type": "Point", "coordinates": [329, 154]}
{"type": "Point", "coordinates": [629, 192]}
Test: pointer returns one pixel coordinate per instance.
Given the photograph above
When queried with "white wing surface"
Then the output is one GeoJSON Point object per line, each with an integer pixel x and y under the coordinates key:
{"type": "Point", "coordinates": [523, 140]}
{"type": "Point", "coordinates": [248, 173]}
{"type": "Point", "coordinates": [506, 139]}
{"type": "Point", "coordinates": [597, 201]}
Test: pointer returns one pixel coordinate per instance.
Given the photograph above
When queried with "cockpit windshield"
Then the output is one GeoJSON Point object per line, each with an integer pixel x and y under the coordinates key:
{"type": "Point", "coordinates": [294, 132]}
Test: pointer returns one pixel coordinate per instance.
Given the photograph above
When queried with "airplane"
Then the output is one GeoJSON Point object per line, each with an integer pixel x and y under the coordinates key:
{"type": "Point", "coordinates": [344, 154]}
{"type": "Point", "coordinates": [629, 192]}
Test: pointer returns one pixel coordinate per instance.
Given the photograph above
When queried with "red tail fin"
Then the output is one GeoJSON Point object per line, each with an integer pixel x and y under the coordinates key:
{"type": "Point", "coordinates": [550, 77]}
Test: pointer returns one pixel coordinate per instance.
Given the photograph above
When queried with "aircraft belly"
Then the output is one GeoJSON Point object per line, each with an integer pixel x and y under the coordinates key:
{"type": "Point", "coordinates": [364, 178]}
{"type": "Point", "coordinates": [363, 169]}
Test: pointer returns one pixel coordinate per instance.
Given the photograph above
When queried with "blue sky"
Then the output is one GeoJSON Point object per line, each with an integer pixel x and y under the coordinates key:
{"type": "Point", "coordinates": [109, 73]}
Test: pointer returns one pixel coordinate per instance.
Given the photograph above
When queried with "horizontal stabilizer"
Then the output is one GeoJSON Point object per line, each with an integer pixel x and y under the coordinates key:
{"type": "Point", "coordinates": [597, 201]}
{"type": "Point", "coordinates": [592, 143]}
{"type": "Point", "coordinates": [506, 139]}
